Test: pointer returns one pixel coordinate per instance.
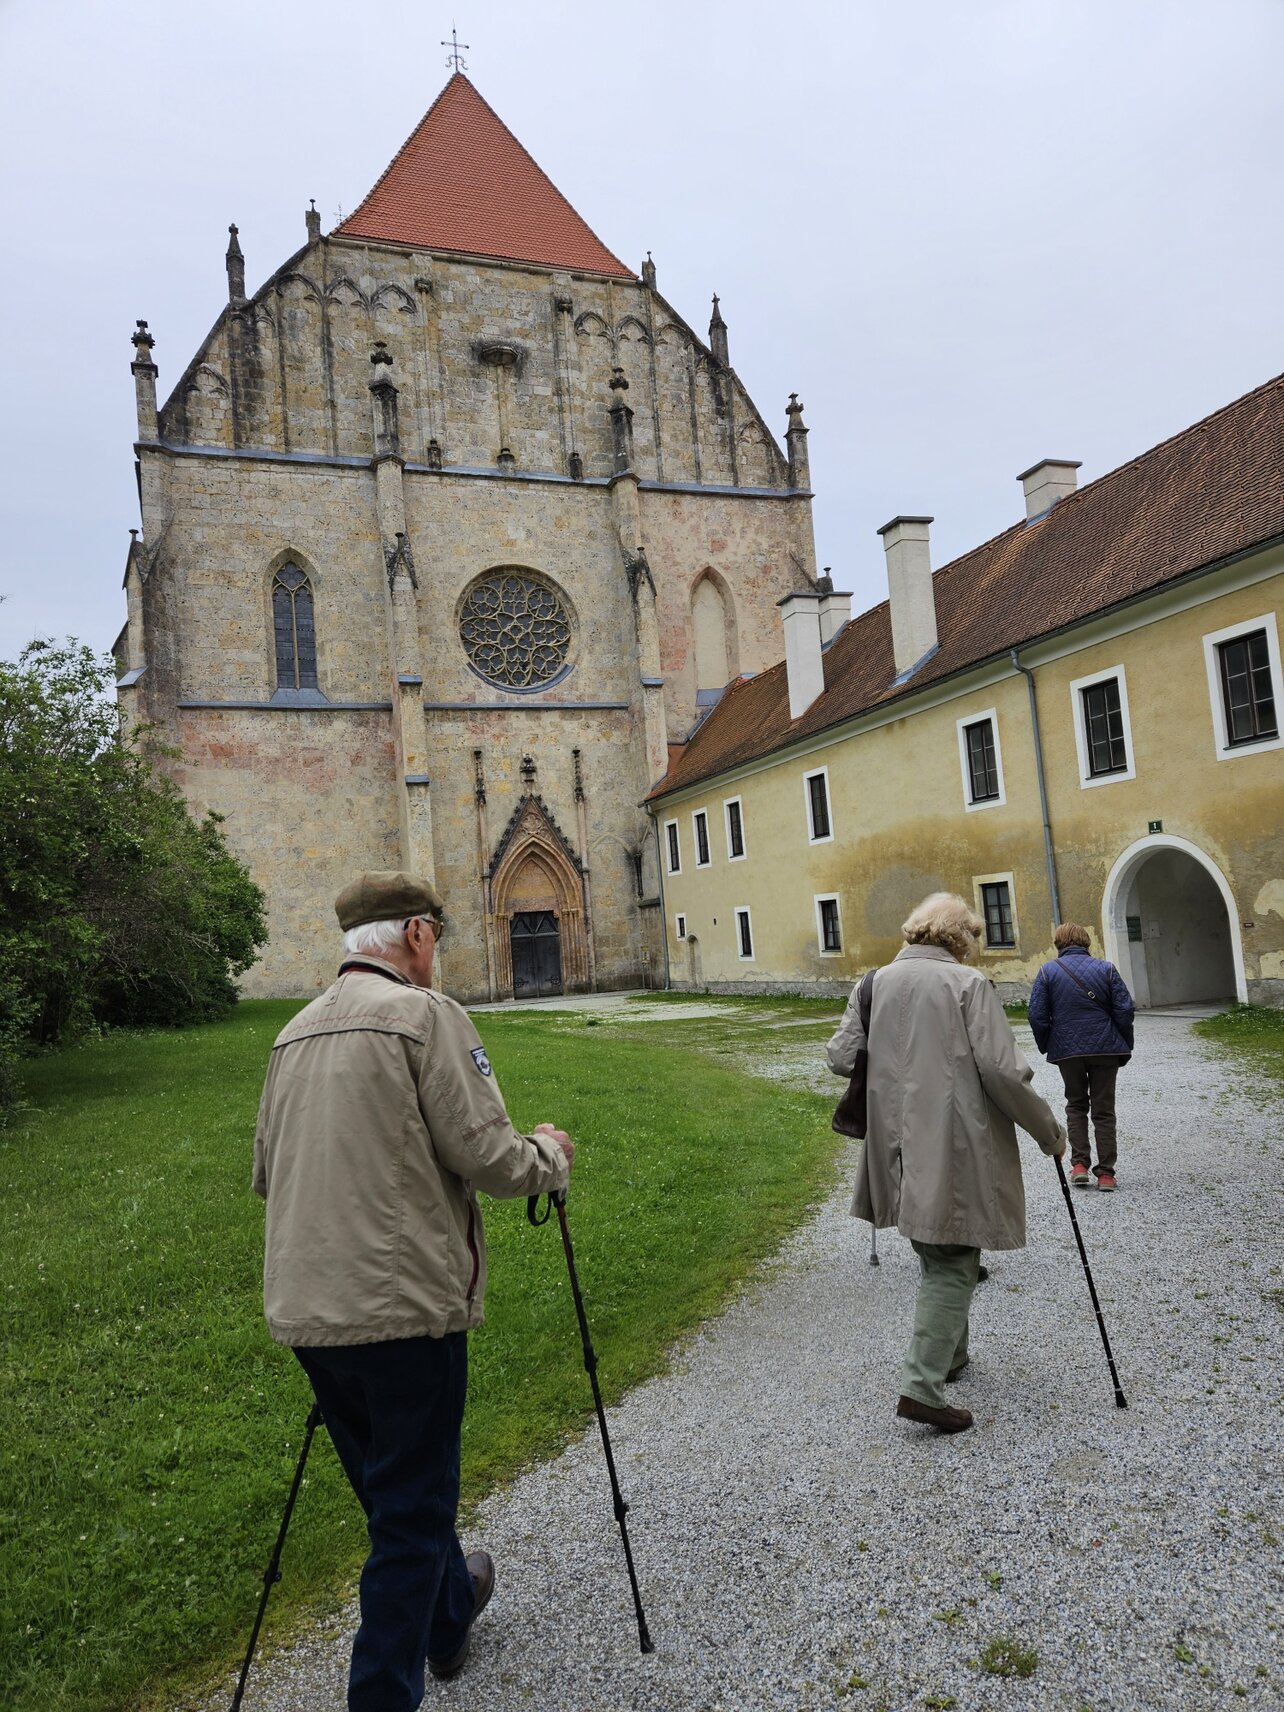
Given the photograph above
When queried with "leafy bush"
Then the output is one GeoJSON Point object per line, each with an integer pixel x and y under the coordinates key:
{"type": "Point", "coordinates": [116, 906]}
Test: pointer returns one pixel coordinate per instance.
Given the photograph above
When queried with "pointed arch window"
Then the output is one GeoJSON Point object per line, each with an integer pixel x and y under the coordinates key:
{"type": "Point", "coordinates": [294, 627]}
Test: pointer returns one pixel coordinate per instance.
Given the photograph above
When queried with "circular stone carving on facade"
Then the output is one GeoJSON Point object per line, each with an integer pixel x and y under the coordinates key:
{"type": "Point", "coordinates": [515, 629]}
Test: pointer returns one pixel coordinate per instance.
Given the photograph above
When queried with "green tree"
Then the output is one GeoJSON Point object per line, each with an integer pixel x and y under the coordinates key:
{"type": "Point", "coordinates": [116, 905]}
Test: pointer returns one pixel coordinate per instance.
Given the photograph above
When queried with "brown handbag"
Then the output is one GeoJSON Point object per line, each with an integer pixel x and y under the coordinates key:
{"type": "Point", "coordinates": [850, 1118]}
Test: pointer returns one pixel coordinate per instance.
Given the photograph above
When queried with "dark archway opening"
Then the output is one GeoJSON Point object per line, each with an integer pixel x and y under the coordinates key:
{"type": "Point", "coordinates": [1178, 933]}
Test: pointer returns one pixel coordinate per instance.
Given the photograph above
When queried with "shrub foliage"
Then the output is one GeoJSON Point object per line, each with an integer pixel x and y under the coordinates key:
{"type": "Point", "coordinates": [116, 905]}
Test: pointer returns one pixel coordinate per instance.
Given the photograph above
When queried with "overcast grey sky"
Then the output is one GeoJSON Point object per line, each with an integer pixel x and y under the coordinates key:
{"type": "Point", "coordinates": [968, 235]}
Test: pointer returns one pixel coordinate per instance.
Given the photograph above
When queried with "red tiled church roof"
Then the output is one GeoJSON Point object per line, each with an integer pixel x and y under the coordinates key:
{"type": "Point", "coordinates": [463, 182]}
{"type": "Point", "coordinates": [1212, 491]}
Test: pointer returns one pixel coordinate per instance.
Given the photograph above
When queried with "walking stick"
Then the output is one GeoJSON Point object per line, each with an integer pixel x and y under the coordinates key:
{"type": "Point", "coordinates": [1121, 1402]}
{"type": "Point", "coordinates": [558, 1200]}
{"type": "Point", "coordinates": [873, 1246]}
{"type": "Point", "coordinates": [272, 1574]}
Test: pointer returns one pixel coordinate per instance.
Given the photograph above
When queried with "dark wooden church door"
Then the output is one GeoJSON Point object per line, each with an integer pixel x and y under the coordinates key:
{"type": "Point", "coordinates": [537, 955]}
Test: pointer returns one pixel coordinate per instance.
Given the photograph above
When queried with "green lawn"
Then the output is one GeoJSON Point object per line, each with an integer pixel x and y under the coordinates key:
{"type": "Point", "coordinates": [148, 1426]}
{"type": "Point", "coordinates": [1254, 1033]}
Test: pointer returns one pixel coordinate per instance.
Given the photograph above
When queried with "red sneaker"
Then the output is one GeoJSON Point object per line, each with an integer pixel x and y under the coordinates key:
{"type": "Point", "coordinates": [1080, 1176]}
{"type": "Point", "coordinates": [1106, 1180]}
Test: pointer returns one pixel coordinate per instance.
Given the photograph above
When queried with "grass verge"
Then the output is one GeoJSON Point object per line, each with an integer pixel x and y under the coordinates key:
{"type": "Point", "coordinates": [1253, 1033]}
{"type": "Point", "coordinates": [148, 1426]}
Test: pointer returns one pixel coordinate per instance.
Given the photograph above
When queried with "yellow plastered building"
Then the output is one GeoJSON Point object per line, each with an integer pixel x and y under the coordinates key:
{"type": "Point", "coordinates": [1079, 720]}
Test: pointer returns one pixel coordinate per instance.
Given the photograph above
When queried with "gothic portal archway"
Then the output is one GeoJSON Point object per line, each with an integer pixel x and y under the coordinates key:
{"type": "Point", "coordinates": [1171, 926]}
{"type": "Point", "coordinates": [541, 929]}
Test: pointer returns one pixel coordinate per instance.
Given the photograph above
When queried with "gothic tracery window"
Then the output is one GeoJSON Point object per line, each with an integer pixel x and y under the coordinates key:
{"type": "Point", "coordinates": [515, 629]}
{"type": "Point", "coordinates": [294, 628]}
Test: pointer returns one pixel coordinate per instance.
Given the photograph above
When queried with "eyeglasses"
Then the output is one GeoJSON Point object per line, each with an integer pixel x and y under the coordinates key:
{"type": "Point", "coordinates": [437, 925]}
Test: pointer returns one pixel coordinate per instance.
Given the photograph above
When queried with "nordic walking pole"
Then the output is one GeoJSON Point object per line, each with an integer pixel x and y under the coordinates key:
{"type": "Point", "coordinates": [558, 1200]}
{"type": "Point", "coordinates": [873, 1246]}
{"type": "Point", "coordinates": [272, 1574]}
{"type": "Point", "coordinates": [1121, 1402]}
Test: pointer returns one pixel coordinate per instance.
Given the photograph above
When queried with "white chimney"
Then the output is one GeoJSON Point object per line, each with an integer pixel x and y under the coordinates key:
{"type": "Point", "coordinates": [800, 614]}
{"type": "Point", "coordinates": [835, 611]}
{"type": "Point", "coordinates": [909, 590]}
{"type": "Point", "coordinates": [1045, 483]}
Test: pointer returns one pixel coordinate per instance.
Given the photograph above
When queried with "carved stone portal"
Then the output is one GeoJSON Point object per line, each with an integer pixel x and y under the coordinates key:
{"type": "Point", "coordinates": [535, 874]}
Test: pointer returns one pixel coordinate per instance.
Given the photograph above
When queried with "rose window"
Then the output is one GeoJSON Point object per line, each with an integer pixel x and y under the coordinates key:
{"type": "Point", "coordinates": [515, 630]}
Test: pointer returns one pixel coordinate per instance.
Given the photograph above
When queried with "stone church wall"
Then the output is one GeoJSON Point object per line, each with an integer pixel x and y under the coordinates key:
{"type": "Point", "coordinates": [498, 449]}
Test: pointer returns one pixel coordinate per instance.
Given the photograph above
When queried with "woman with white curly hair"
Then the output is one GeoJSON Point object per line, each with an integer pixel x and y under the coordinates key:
{"type": "Point", "coordinates": [946, 1086]}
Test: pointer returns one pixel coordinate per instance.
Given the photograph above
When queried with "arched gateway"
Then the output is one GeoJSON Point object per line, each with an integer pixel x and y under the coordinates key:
{"type": "Point", "coordinates": [538, 909]}
{"type": "Point", "coordinates": [1171, 926]}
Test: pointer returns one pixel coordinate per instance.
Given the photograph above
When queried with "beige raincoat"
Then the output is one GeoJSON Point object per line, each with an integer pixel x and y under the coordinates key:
{"type": "Point", "coordinates": [380, 1117]}
{"type": "Point", "coordinates": [947, 1085]}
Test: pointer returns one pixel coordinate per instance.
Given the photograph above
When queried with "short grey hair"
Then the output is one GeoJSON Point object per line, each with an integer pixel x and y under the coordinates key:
{"type": "Point", "coordinates": [944, 919]}
{"type": "Point", "coordinates": [375, 936]}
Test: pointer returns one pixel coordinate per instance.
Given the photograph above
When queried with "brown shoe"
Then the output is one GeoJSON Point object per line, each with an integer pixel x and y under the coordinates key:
{"type": "Point", "coordinates": [481, 1568]}
{"type": "Point", "coordinates": [944, 1420]}
{"type": "Point", "coordinates": [955, 1372]}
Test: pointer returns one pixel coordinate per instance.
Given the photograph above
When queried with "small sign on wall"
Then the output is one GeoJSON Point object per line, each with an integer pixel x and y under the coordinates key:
{"type": "Point", "coordinates": [1134, 928]}
{"type": "Point", "coordinates": [1154, 826]}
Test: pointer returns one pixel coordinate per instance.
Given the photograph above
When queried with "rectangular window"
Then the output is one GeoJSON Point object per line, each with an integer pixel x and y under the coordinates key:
{"type": "Point", "coordinates": [680, 923]}
{"type": "Point", "coordinates": [1244, 679]}
{"type": "Point", "coordinates": [982, 763]}
{"type": "Point", "coordinates": [675, 854]}
{"type": "Point", "coordinates": [818, 806]}
{"type": "Point", "coordinates": [1103, 729]}
{"type": "Point", "coordinates": [735, 830]}
{"type": "Point", "coordinates": [829, 924]}
{"type": "Point", "coordinates": [1248, 693]}
{"type": "Point", "coordinates": [744, 935]}
{"type": "Point", "coordinates": [700, 821]}
{"type": "Point", "coordinates": [996, 905]}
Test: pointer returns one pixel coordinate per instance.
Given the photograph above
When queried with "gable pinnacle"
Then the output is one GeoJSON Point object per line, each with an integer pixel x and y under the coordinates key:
{"type": "Point", "coordinates": [235, 268]}
{"type": "Point", "coordinates": [718, 335]}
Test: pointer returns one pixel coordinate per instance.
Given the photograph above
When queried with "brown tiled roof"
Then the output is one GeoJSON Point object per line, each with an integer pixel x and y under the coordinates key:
{"type": "Point", "coordinates": [1210, 492]}
{"type": "Point", "coordinates": [463, 182]}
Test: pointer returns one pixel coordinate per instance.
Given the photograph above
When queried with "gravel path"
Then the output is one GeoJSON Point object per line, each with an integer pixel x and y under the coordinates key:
{"type": "Point", "coordinates": [799, 1549]}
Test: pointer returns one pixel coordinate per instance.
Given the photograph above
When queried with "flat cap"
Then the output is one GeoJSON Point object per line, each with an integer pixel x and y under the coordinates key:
{"type": "Point", "coordinates": [385, 894]}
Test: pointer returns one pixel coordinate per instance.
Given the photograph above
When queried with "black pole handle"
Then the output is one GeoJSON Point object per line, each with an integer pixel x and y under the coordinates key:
{"type": "Point", "coordinates": [1121, 1402]}
{"type": "Point", "coordinates": [556, 1198]}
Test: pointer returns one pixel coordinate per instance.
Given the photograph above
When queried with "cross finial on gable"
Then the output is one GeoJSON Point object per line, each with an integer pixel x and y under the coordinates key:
{"type": "Point", "coordinates": [454, 57]}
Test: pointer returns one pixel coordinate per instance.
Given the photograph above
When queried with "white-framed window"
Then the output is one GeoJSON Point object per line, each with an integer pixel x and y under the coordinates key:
{"type": "Point", "coordinates": [680, 926]}
{"type": "Point", "coordinates": [744, 935]}
{"type": "Point", "coordinates": [700, 837]}
{"type": "Point", "coordinates": [673, 850]}
{"type": "Point", "coordinates": [1102, 730]}
{"type": "Point", "coordinates": [1245, 686]}
{"type": "Point", "coordinates": [820, 824]}
{"type": "Point", "coordinates": [996, 905]}
{"type": "Point", "coordinates": [981, 759]}
{"type": "Point", "coordinates": [733, 809]}
{"type": "Point", "coordinates": [829, 924]}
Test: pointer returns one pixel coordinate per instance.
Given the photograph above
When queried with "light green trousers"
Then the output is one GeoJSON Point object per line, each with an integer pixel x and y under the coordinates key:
{"type": "Point", "coordinates": [940, 1319]}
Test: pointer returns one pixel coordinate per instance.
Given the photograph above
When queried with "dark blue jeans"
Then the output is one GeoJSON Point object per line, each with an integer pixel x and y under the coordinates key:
{"type": "Point", "coordinates": [394, 1412]}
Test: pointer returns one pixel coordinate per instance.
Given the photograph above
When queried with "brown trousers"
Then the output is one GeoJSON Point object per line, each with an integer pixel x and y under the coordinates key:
{"type": "Point", "coordinates": [1090, 1087]}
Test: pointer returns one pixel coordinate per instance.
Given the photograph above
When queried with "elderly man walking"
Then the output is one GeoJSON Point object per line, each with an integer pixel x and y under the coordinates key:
{"type": "Point", "coordinates": [380, 1119]}
{"type": "Point", "coordinates": [1081, 1016]}
{"type": "Point", "coordinates": [946, 1087]}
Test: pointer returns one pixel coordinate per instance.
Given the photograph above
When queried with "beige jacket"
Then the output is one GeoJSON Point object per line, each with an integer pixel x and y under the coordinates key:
{"type": "Point", "coordinates": [946, 1086]}
{"type": "Point", "coordinates": [380, 1117]}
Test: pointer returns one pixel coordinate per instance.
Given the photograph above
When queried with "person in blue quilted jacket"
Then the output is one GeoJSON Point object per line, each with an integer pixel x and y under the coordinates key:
{"type": "Point", "coordinates": [1081, 1015]}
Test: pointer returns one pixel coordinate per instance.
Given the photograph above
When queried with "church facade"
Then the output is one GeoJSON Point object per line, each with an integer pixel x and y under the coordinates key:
{"type": "Point", "coordinates": [449, 530]}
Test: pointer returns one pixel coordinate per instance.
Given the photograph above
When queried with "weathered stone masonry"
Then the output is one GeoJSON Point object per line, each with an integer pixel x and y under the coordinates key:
{"type": "Point", "coordinates": [396, 423]}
